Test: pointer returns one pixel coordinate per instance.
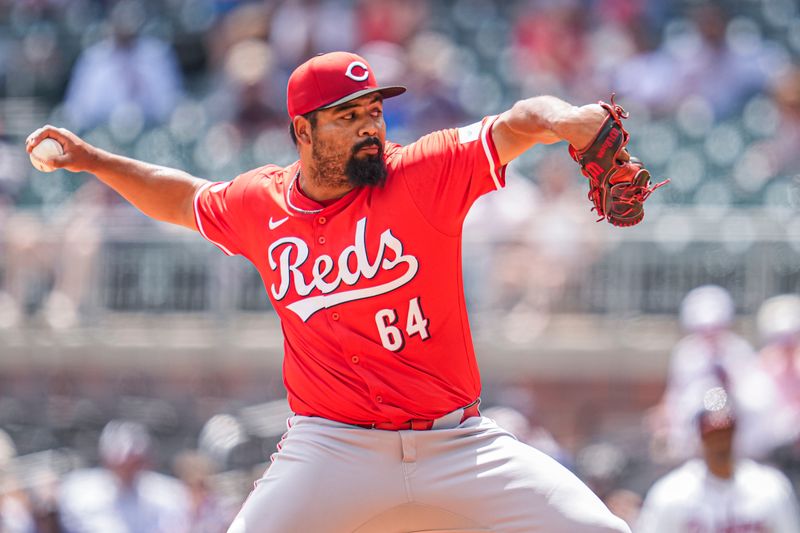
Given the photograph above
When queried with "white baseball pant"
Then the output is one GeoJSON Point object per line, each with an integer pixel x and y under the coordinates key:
{"type": "Point", "coordinates": [329, 477]}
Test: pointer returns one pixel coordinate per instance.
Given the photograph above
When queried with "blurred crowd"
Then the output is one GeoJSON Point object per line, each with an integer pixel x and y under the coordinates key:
{"type": "Point", "coordinates": [713, 88]}
{"type": "Point", "coordinates": [200, 84]}
{"type": "Point", "coordinates": [719, 451]}
{"type": "Point", "coordinates": [714, 93]}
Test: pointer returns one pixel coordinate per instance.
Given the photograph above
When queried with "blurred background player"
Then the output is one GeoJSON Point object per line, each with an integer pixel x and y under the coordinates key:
{"type": "Point", "coordinates": [778, 322]}
{"type": "Point", "coordinates": [208, 513]}
{"type": "Point", "coordinates": [719, 492]}
{"type": "Point", "coordinates": [711, 355]}
{"type": "Point", "coordinates": [123, 495]}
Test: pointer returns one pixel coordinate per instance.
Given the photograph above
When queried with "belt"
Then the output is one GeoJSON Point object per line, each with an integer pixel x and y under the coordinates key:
{"type": "Point", "coordinates": [448, 421]}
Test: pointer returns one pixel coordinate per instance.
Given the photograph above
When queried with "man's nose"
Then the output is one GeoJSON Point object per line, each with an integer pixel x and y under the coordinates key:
{"type": "Point", "coordinates": [369, 128]}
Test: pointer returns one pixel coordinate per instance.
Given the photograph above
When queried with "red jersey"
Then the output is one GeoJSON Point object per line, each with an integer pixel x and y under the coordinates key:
{"type": "Point", "coordinates": [369, 288]}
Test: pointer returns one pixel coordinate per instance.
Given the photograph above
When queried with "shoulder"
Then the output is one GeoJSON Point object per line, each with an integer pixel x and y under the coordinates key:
{"type": "Point", "coordinates": [392, 153]}
{"type": "Point", "coordinates": [263, 178]}
{"type": "Point", "coordinates": [265, 173]}
{"type": "Point", "coordinates": [431, 148]}
{"type": "Point", "coordinates": [678, 484]}
{"type": "Point", "coordinates": [761, 475]}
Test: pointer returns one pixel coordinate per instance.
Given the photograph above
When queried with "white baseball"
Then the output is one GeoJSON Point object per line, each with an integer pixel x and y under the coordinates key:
{"type": "Point", "coordinates": [43, 152]}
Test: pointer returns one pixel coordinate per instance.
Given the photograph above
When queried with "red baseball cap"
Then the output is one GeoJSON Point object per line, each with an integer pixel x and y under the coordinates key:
{"type": "Point", "coordinates": [328, 80]}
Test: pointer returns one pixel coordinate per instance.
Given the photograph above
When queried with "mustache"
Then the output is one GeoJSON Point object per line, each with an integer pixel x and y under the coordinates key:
{"type": "Point", "coordinates": [369, 141]}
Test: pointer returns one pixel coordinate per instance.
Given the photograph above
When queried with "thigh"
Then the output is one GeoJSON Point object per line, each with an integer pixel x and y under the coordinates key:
{"type": "Point", "coordinates": [326, 477]}
{"type": "Point", "coordinates": [488, 475]}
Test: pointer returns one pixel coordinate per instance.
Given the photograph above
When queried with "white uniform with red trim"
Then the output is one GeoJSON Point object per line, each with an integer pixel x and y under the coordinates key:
{"type": "Point", "coordinates": [758, 499]}
{"type": "Point", "coordinates": [370, 296]}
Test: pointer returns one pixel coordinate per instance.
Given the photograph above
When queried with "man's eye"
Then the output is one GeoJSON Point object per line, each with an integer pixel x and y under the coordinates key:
{"type": "Point", "coordinates": [377, 113]}
{"type": "Point", "coordinates": [348, 116]}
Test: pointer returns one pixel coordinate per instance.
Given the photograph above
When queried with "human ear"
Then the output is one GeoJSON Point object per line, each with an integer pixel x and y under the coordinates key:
{"type": "Point", "coordinates": [302, 129]}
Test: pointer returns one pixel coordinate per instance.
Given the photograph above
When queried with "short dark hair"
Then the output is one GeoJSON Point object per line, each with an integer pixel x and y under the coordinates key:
{"type": "Point", "coordinates": [311, 116]}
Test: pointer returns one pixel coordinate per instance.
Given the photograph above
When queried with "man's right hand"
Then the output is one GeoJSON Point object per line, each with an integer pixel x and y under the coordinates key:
{"type": "Point", "coordinates": [79, 156]}
{"type": "Point", "coordinates": [159, 192]}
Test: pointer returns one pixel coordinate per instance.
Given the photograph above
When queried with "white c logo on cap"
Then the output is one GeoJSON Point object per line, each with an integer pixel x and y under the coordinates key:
{"type": "Point", "coordinates": [354, 77]}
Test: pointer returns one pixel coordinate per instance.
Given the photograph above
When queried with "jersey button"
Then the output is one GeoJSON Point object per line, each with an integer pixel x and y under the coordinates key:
{"type": "Point", "coordinates": [322, 220]}
{"type": "Point", "coordinates": [322, 239]}
{"type": "Point", "coordinates": [378, 399]}
{"type": "Point", "coordinates": [335, 316]}
{"type": "Point", "coordinates": [354, 359]}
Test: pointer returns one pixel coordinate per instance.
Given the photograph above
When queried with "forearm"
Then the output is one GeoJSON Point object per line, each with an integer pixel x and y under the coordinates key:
{"type": "Point", "coordinates": [541, 118]}
{"type": "Point", "coordinates": [545, 120]}
{"type": "Point", "coordinates": [161, 193]}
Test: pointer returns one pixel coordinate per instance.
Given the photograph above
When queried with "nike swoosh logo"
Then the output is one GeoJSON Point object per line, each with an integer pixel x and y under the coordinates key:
{"type": "Point", "coordinates": [275, 223]}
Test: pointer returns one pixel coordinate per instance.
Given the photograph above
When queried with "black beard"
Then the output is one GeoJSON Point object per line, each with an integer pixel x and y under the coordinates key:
{"type": "Point", "coordinates": [369, 171]}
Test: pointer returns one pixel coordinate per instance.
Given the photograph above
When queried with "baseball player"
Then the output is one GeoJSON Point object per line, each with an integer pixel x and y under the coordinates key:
{"type": "Point", "coordinates": [359, 247]}
{"type": "Point", "coordinates": [719, 493]}
{"type": "Point", "coordinates": [713, 354]}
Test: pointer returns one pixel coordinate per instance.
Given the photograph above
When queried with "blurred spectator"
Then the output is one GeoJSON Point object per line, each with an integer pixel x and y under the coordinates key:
{"type": "Point", "coordinates": [561, 230]}
{"type": "Point", "coordinates": [7, 450]}
{"type": "Point", "coordinates": [707, 56]}
{"type": "Point", "coordinates": [625, 504]}
{"type": "Point", "coordinates": [779, 329]}
{"type": "Point", "coordinates": [550, 44]}
{"type": "Point", "coordinates": [129, 79]}
{"type": "Point", "coordinates": [648, 75]}
{"type": "Point", "coordinates": [393, 21]}
{"type": "Point", "coordinates": [719, 492]}
{"type": "Point", "coordinates": [491, 231]}
{"type": "Point", "coordinates": [15, 510]}
{"type": "Point", "coordinates": [537, 257]}
{"type": "Point", "coordinates": [302, 28]}
{"type": "Point", "coordinates": [208, 513]}
{"type": "Point", "coordinates": [15, 516]}
{"type": "Point", "coordinates": [24, 509]}
{"type": "Point", "coordinates": [724, 75]}
{"type": "Point", "coordinates": [123, 496]}
{"type": "Point", "coordinates": [713, 355]}
{"type": "Point", "coordinates": [248, 96]}
{"type": "Point", "coordinates": [534, 435]}
{"type": "Point", "coordinates": [431, 102]}
{"type": "Point", "coordinates": [14, 167]}
{"type": "Point", "coordinates": [712, 66]}
{"type": "Point", "coordinates": [248, 87]}
{"type": "Point", "coordinates": [779, 150]}
{"type": "Point", "coordinates": [57, 252]}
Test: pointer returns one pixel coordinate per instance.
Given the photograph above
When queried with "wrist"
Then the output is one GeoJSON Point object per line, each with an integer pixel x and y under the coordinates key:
{"type": "Point", "coordinates": [563, 124]}
{"type": "Point", "coordinates": [579, 126]}
{"type": "Point", "coordinates": [94, 160]}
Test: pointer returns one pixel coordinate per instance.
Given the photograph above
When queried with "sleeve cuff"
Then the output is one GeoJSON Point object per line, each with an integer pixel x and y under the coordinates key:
{"type": "Point", "coordinates": [496, 170]}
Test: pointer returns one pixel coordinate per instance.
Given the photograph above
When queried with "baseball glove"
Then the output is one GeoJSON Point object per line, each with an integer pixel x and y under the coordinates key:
{"type": "Point", "coordinates": [618, 188]}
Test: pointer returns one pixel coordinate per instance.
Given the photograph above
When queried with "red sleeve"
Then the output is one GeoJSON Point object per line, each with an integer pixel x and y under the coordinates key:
{"type": "Point", "coordinates": [448, 170]}
{"type": "Point", "coordinates": [221, 216]}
